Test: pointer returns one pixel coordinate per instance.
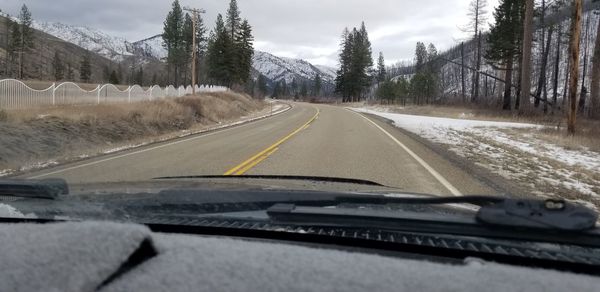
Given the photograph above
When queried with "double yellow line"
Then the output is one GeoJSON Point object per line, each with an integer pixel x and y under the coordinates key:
{"type": "Point", "coordinates": [261, 156]}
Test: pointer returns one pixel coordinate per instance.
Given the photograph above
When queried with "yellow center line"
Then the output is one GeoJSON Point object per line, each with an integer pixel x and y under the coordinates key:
{"type": "Point", "coordinates": [261, 156]}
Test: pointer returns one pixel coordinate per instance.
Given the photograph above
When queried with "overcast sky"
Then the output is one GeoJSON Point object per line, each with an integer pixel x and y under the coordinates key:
{"type": "Point", "coordinates": [307, 29]}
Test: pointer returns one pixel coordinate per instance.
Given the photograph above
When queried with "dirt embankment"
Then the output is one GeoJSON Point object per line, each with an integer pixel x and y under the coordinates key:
{"type": "Point", "coordinates": [30, 138]}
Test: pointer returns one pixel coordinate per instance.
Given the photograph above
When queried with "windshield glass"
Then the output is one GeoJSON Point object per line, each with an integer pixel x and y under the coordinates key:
{"type": "Point", "coordinates": [464, 97]}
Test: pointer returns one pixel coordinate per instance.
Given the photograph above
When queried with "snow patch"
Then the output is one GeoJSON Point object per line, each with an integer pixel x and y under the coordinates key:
{"type": "Point", "coordinates": [8, 211]}
{"type": "Point", "coordinates": [516, 156]}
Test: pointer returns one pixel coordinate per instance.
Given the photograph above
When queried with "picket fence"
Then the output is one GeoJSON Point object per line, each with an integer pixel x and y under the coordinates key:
{"type": "Point", "coordinates": [14, 94]}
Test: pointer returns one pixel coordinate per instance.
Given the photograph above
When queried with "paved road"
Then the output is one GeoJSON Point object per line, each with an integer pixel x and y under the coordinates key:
{"type": "Point", "coordinates": [316, 140]}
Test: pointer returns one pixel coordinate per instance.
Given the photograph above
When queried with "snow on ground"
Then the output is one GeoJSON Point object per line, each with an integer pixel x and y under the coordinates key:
{"type": "Point", "coordinates": [512, 151]}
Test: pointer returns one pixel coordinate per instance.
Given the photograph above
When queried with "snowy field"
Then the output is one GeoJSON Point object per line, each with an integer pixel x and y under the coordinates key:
{"type": "Point", "coordinates": [512, 151]}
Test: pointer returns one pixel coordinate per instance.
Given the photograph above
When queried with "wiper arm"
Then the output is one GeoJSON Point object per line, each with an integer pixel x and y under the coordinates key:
{"type": "Point", "coordinates": [44, 189]}
{"type": "Point", "coordinates": [548, 220]}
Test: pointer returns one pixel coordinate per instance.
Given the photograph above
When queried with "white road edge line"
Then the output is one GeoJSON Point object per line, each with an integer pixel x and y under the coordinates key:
{"type": "Point", "coordinates": [430, 169]}
{"type": "Point", "coordinates": [196, 136]}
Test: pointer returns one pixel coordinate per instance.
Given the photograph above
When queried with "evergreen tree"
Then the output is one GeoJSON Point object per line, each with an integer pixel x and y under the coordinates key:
{"type": "Point", "coordinates": [504, 41]}
{"type": "Point", "coordinates": [154, 79]}
{"type": "Point", "coordinates": [284, 89]}
{"type": "Point", "coordinates": [356, 61]}
{"type": "Point", "coordinates": [294, 87]}
{"type": "Point", "coordinates": [381, 73]}
{"type": "Point", "coordinates": [276, 91]}
{"type": "Point", "coordinates": [85, 69]}
{"type": "Point", "coordinates": [233, 19]}
{"type": "Point", "coordinates": [139, 77]}
{"type": "Point", "coordinates": [70, 73]}
{"type": "Point", "coordinates": [304, 90]}
{"type": "Point", "coordinates": [188, 36]}
{"type": "Point", "coordinates": [58, 66]}
{"type": "Point", "coordinates": [318, 85]}
{"type": "Point", "coordinates": [105, 73]}
{"type": "Point", "coordinates": [218, 53]}
{"type": "Point", "coordinates": [262, 84]}
{"type": "Point", "coordinates": [21, 40]}
{"type": "Point", "coordinates": [245, 52]}
{"type": "Point", "coordinates": [113, 79]}
{"type": "Point", "coordinates": [174, 40]}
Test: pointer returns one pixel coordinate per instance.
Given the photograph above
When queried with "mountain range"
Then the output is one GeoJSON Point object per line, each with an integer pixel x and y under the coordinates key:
{"type": "Point", "coordinates": [150, 49]}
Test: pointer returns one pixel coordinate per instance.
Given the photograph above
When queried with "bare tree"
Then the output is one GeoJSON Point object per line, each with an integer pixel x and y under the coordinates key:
{"type": "Point", "coordinates": [477, 18]}
{"type": "Point", "coordinates": [595, 85]}
{"type": "Point", "coordinates": [524, 103]}
{"type": "Point", "coordinates": [574, 64]}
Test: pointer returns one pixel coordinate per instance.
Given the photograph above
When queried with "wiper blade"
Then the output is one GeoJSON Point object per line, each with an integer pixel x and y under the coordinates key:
{"type": "Point", "coordinates": [549, 220]}
{"type": "Point", "coordinates": [281, 177]}
{"type": "Point", "coordinates": [44, 189]}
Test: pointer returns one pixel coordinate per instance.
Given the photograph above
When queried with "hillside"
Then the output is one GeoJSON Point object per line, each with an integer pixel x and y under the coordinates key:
{"type": "Point", "coordinates": [38, 63]}
{"type": "Point", "coordinates": [150, 51]}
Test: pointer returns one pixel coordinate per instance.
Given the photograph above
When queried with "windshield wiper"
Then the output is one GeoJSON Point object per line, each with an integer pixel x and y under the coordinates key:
{"type": "Point", "coordinates": [43, 189]}
{"type": "Point", "coordinates": [281, 177]}
{"type": "Point", "coordinates": [548, 220]}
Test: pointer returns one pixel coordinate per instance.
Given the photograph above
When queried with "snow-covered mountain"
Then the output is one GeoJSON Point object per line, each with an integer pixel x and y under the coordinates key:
{"type": "Point", "coordinates": [113, 48]}
{"type": "Point", "coordinates": [150, 48]}
{"type": "Point", "coordinates": [117, 49]}
{"type": "Point", "coordinates": [279, 68]}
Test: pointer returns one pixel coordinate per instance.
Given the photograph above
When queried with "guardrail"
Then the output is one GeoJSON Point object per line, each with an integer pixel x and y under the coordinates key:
{"type": "Point", "coordinates": [15, 94]}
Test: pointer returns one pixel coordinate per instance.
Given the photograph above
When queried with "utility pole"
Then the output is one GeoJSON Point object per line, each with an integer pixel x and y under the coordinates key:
{"type": "Point", "coordinates": [195, 16]}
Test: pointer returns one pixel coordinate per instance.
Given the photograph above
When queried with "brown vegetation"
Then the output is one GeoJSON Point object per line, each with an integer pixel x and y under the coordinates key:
{"type": "Point", "coordinates": [66, 132]}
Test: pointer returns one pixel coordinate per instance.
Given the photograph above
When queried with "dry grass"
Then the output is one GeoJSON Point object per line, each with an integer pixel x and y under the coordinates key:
{"type": "Point", "coordinates": [67, 131]}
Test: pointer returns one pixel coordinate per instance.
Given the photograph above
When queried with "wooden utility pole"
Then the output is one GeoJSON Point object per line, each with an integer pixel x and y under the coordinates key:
{"type": "Point", "coordinates": [574, 64]}
{"type": "Point", "coordinates": [195, 17]}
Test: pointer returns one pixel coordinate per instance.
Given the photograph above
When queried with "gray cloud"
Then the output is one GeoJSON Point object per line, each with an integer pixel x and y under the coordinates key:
{"type": "Point", "coordinates": [308, 29]}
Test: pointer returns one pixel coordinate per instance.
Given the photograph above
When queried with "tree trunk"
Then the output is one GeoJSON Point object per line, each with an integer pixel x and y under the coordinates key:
{"type": "Point", "coordinates": [524, 102]}
{"type": "Point", "coordinates": [583, 92]}
{"type": "Point", "coordinates": [519, 79]}
{"type": "Point", "coordinates": [507, 103]}
{"type": "Point", "coordinates": [595, 85]}
{"type": "Point", "coordinates": [556, 67]}
{"type": "Point", "coordinates": [574, 66]}
{"type": "Point", "coordinates": [542, 80]}
{"type": "Point", "coordinates": [462, 71]}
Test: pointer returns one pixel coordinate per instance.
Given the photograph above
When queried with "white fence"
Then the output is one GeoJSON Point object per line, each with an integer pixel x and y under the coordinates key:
{"type": "Point", "coordinates": [15, 94]}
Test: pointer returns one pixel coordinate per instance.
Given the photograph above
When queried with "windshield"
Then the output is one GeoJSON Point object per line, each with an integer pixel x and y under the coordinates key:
{"type": "Point", "coordinates": [465, 97]}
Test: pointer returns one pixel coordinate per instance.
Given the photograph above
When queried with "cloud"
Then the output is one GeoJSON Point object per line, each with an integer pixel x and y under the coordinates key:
{"type": "Point", "coordinates": [308, 29]}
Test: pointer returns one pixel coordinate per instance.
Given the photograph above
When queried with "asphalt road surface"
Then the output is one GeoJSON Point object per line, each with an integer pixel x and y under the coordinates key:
{"type": "Point", "coordinates": [310, 140]}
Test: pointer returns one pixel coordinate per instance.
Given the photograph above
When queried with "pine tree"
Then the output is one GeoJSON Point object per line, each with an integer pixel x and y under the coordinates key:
{"type": "Point", "coordinates": [276, 91]}
{"type": "Point", "coordinates": [294, 87]}
{"type": "Point", "coordinates": [85, 69]}
{"type": "Point", "coordinates": [58, 66]}
{"type": "Point", "coordinates": [188, 36]}
{"type": "Point", "coordinates": [139, 77]}
{"type": "Point", "coordinates": [504, 41]}
{"type": "Point", "coordinates": [113, 79]}
{"type": "Point", "coordinates": [318, 85]}
{"type": "Point", "coordinates": [218, 54]}
{"type": "Point", "coordinates": [262, 84]}
{"type": "Point", "coordinates": [381, 73]}
{"type": "Point", "coordinates": [245, 52]}
{"type": "Point", "coordinates": [356, 62]}
{"type": "Point", "coordinates": [105, 73]}
{"type": "Point", "coordinates": [174, 41]}
{"type": "Point", "coordinates": [21, 39]}
{"type": "Point", "coordinates": [70, 73]}
{"type": "Point", "coordinates": [304, 90]}
{"type": "Point", "coordinates": [233, 19]}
